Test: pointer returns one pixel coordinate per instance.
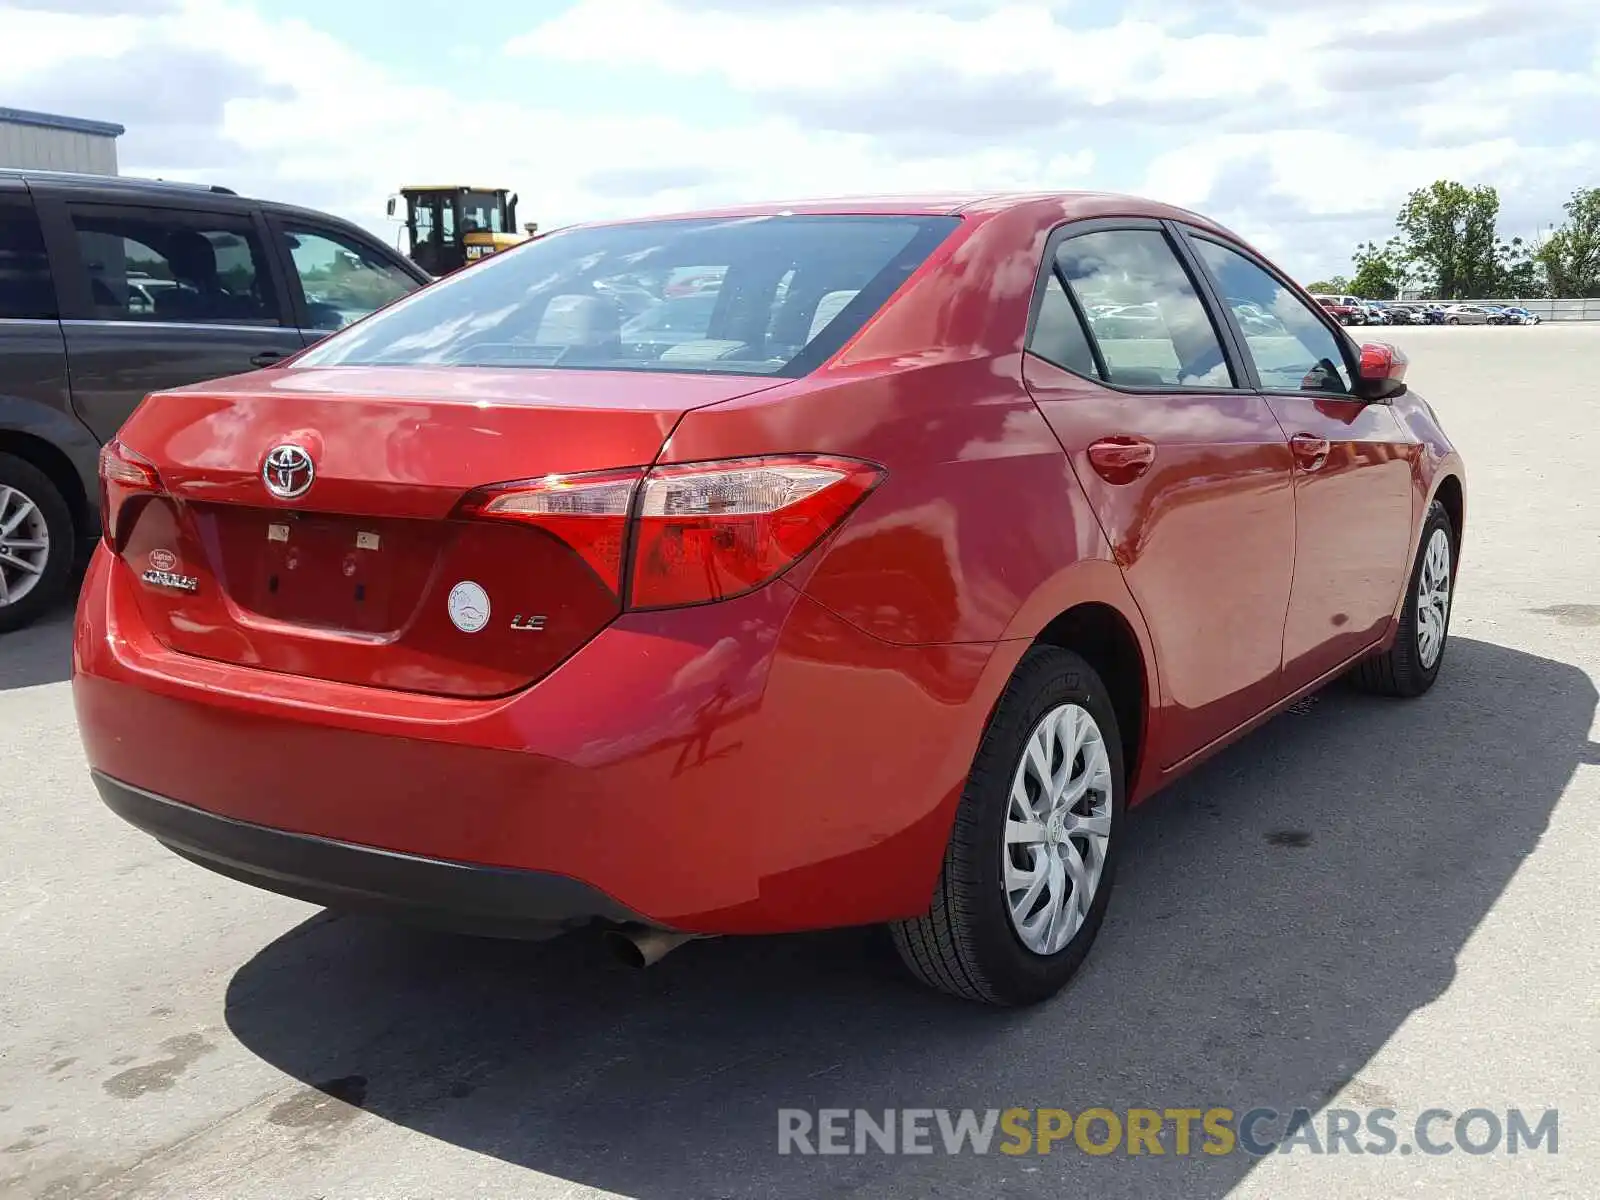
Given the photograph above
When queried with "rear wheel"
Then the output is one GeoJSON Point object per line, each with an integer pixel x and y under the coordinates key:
{"type": "Point", "coordinates": [1029, 868]}
{"type": "Point", "coordinates": [1409, 667]}
{"type": "Point", "coordinates": [36, 543]}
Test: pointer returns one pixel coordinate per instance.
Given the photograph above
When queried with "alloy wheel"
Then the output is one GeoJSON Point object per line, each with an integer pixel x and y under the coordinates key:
{"type": "Point", "coordinates": [24, 545]}
{"type": "Point", "coordinates": [1433, 598]}
{"type": "Point", "coordinates": [1058, 828]}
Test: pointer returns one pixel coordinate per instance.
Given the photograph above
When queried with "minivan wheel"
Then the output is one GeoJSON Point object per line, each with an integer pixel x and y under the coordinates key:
{"type": "Point", "coordinates": [1409, 667]}
{"type": "Point", "coordinates": [1029, 868]}
{"type": "Point", "coordinates": [36, 543]}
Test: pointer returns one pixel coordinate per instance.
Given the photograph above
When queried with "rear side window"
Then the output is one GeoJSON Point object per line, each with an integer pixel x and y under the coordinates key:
{"type": "Point", "coordinates": [1147, 320]}
{"type": "Point", "coordinates": [153, 265]}
{"type": "Point", "coordinates": [1058, 335]}
{"type": "Point", "coordinates": [754, 296]}
{"type": "Point", "coordinates": [26, 292]}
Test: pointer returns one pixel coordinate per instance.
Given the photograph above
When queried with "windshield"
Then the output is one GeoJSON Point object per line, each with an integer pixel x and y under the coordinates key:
{"type": "Point", "coordinates": [480, 212]}
{"type": "Point", "coordinates": [750, 295]}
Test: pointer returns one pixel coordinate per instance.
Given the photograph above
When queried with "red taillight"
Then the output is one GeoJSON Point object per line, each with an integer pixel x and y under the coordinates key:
{"type": "Point", "coordinates": [124, 475]}
{"type": "Point", "coordinates": [587, 512]}
{"type": "Point", "coordinates": [700, 532]}
{"type": "Point", "coordinates": [710, 531]}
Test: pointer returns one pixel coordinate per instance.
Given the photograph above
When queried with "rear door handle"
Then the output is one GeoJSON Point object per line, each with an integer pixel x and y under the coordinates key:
{"type": "Point", "coordinates": [266, 358]}
{"type": "Point", "coordinates": [1122, 458]}
{"type": "Point", "coordinates": [1310, 451]}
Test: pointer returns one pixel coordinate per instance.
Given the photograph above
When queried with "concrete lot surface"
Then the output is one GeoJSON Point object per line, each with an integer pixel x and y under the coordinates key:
{"type": "Point", "coordinates": [1365, 904]}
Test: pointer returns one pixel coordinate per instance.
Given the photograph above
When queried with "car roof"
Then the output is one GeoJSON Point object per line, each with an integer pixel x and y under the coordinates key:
{"type": "Point", "coordinates": [113, 183]}
{"type": "Point", "coordinates": [983, 204]}
{"type": "Point", "coordinates": [131, 188]}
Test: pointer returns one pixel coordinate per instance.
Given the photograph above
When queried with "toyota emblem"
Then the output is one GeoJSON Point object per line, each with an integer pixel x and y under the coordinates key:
{"type": "Point", "coordinates": [288, 471]}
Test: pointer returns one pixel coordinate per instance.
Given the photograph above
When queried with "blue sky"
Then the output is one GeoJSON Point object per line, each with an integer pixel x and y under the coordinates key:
{"type": "Point", "coordinates": [1300, 123]}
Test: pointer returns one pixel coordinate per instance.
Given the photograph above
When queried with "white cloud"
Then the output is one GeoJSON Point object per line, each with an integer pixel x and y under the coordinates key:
{"type": "Point", "coordinates": [804, 49]}
{"type": "Point", "coordinates": [329, 127]}
{"type": "Point", "coordinates": [1302, 123]}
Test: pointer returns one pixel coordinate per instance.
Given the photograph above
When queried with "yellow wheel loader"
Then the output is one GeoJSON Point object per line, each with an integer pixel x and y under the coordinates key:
{"type": "Point", "coordinates": [452, 225]}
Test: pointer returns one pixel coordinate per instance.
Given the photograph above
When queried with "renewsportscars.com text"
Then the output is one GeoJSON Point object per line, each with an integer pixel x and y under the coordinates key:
{"type": "Point", "coordinates": [1162, 1131]}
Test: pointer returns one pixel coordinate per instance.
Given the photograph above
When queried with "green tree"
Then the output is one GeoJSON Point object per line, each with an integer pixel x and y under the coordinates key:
{"type": "Point", "coordinates": [1518, 271]}
{"type": "Point", "coordinates": [1338, 285]}
{"type": "Point", "coordinates": [1570, 257]}
{"type": "Point", "coordinates": [1381, 271]}
{"type": "Point", "coordinates": [1447, 231]}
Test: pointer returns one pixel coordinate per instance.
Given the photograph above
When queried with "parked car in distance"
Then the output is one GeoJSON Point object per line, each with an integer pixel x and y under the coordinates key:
{"type": "Point", "coordinates": [1253, 318]}
{"type": "Point", "coordinates": [1347, 310]}
{"type": "Point", "coordinates": [113, 287]}
{"type": "Point", "coordinates": [577, 627]}
{"type": "Point", "coordinates": [1517, 315]}
{"type": "Point", "coordinates": [1400, 314]}
{"type": "Point", "coordinates": [1375, 312]}
{"type": "Point", "coordinates": [1465, 314]}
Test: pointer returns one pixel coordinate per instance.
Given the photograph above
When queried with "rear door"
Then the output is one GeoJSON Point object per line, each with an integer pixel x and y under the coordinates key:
{"type": "Point", "coordinates": [1186, 468]}
{"type": "Point", "coordinates": [335, 277]}
{"type": "Point", "coordinates": [156, 296]}
{"type": "Point", "coordinates": [1353, 464]}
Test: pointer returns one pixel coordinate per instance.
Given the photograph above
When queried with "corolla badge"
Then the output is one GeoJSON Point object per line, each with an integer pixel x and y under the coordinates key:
{"type": "Point", "coordinates": [288, 471]}
{"type": "Point", "coordinates": [468, 606]}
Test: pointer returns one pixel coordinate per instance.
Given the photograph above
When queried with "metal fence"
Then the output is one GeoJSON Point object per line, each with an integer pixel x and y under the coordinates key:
{"type": "Point", "coordinates": [1550, 310]}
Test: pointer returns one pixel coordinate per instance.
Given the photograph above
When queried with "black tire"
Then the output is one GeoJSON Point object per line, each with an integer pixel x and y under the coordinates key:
{"type": "Point", "coordinates": [1399, 671]}
{"type": "Point", "coordinates": [1453, 321]}
{"type": "Point", "coordinates": [966, 944]}
{"type": "Point", "coordinates": [24, 477]}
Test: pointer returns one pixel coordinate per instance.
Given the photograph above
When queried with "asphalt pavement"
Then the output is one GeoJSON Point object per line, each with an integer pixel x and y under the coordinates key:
{"type": "Point", "coordinates": [1365, 904]}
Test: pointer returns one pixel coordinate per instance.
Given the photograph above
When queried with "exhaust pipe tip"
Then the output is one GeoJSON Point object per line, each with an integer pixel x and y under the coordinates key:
{"type": "Point", "coordinates": [640, 947]}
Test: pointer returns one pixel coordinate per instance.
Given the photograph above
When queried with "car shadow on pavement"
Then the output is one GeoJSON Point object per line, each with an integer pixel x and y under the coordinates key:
{"type": "Point", "coordinates": [39, 654]}
{"type": "Point", "coordinates": [1280, 913]}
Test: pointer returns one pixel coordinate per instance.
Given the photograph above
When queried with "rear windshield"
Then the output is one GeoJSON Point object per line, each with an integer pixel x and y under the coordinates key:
{"type": "Point", "coordinates": [748, 296]}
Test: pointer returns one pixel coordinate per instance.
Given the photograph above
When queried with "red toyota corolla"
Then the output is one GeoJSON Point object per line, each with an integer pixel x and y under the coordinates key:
{"type": "Point", "coordinates": [868, 579]}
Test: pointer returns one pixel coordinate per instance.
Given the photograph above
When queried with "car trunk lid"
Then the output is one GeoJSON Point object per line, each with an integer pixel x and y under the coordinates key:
{"type": "Point", "coordinates": [370, 575]}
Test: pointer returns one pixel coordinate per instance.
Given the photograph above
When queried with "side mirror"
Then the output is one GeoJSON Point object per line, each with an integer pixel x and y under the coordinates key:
{"type": "Point", "coordinates": [1383, 371]}
{"type": "Point", "coordinates": [391, 206]}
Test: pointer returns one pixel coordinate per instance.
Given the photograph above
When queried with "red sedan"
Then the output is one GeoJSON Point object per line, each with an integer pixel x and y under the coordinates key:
{"type": "Point", "coordinates": [875, 590]}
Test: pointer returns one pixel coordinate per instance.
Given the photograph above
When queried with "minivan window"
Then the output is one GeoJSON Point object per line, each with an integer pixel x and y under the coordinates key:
{"type": "Point", "coordinates": [342, 280]}
{"type": "Point", "coordinates": [26, 291]}
{"type": "Point", "coordinates": [1292, 348]}
{"type": "Point", "coordinates": [1144, 313]}
{"type": "Point", "coordinates": [150, 265]}
{"type": "Point", "coordinates": [692, 295]}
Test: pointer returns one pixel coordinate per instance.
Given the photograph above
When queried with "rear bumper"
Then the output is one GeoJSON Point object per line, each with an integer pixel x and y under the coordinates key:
{"type": "Point", "coordinates": [451, 895]}
{"type": "Point", "coordinates": [753, 766]}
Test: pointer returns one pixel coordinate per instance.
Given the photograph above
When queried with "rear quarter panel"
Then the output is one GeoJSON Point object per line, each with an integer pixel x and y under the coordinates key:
{"type": "Point", "coordinates": [978, 514]}
{"type": "Point", "coordinates": [980, 534]}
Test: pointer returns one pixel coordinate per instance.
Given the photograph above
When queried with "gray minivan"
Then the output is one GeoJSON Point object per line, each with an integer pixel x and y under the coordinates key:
{"type": "Point", "coordinates": [111, 288]}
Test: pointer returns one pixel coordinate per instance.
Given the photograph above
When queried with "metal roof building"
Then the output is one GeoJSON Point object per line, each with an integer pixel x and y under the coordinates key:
{"type": "Point", "coordinates": [47, 142]}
